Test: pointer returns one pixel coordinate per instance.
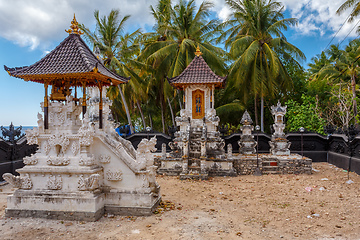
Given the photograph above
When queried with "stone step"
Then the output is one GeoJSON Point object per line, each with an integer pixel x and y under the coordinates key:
{"type": "Point", "coordinates": [271, 172]}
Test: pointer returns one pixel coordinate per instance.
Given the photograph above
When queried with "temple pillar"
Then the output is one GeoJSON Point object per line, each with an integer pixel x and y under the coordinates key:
{"type": "Point", "coordinates": [84, 99]}
{"type": "Point", "coordinates": [46, 107]}
{"type": "Point", "coordinates": [100, 108]}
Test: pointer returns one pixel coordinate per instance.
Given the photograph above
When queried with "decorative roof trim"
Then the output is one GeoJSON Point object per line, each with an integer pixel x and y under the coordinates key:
{"type": "Point", "coordinates": [74, 27]}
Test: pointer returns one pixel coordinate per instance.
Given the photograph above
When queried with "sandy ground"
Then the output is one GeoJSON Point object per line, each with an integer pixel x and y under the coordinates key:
{"type": "Point", "coordinates": [243, 207]}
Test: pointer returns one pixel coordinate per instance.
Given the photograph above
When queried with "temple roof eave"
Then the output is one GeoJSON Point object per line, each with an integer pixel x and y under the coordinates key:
{"type": "Point", "coordinates": [182, 86]}
{"type": "Point", "coordinates": [76, 79]}
{"type": "Point", "coordinates": [197, 72]}
{"type": "Point", "coordinates": [71, 59]}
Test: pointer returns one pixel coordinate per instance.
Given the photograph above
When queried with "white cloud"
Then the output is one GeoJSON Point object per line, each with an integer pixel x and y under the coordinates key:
{"type": "Point", "coordinates": [38, 23]}
{"type": "Point", "coordinates": [319, 17]}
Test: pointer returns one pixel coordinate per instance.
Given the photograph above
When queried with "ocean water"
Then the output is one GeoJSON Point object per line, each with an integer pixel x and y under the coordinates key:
{"type": "Point", "coordinates": [23, 129]}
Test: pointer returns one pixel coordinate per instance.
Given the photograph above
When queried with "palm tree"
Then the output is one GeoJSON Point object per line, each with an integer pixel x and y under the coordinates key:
{"type": "Point", "coordinates": [355, 4]}
{"type": "Point", "coordinates": [116, 49]}
{"type": "Point", "coordinates": [178, 31]}
{"type": "Point", "coordinates": [258, 46]}
{"type": "Point", "coordinates": [344, 68]}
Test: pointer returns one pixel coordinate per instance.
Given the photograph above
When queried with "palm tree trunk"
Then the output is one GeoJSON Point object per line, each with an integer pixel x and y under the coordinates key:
{"type": "Point", "coordinates": [256, 113]}
{"type": "Point", "coordinates": [162, 105]}
{"type": "Point", "coordinates": [126, 108]}
{"type": "Point", "coordinates": [262, 114]}
{"type": "Point", "coordinates": [353, 87]}
{"type": "Point", "coordinates": [151, 123]}
{"type": "Point", "coordinates": [172, 113]}
{"type": "Point", "coordinates": [179, 98]}
{"type": "Point", "coordinates": [141, 113]}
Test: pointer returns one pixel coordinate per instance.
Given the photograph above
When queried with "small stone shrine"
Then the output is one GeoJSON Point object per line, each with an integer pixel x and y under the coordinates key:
{"type": "Point", "coordinates": [197, 149]}
{"type": "Point", "coordinates": [279, 145]}
{"type": "Point", "coordinates": [82, 168]}
{"type": "Point", "coordinates": [247, 143]}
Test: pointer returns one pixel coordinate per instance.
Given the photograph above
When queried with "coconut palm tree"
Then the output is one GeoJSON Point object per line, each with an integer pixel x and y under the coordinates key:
{"type": "Point", "coordinates": [355, 4]}
{"type": "Point", "coordinates": [117, 49]}
{"type": "Point", "coordinates": [345, 68]}
{"type": "Point", "coordinates": [257, 45]}
{"type": "Point", "coordinates": [178, 31]}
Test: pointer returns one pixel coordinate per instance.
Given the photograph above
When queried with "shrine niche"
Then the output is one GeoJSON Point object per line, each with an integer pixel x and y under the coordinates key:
{"type": "Point", "coordinates": [82, 168]}
{"type": "Point", "coordinates": [198, 109]}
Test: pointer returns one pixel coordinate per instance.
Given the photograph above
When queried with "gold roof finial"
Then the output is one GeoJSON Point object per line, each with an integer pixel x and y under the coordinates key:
{"type": "Point", "coordinates": [198, 52]}
{"type": "Point", "coordinates": [74, 28]}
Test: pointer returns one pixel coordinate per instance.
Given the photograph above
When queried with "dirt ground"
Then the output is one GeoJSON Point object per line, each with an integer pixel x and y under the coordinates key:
{"type": "Point", "coordinates": [318, 206]}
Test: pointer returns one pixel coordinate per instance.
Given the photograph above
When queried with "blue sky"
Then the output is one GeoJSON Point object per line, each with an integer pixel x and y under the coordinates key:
{"type": "Point", "coordinates": [30, 29]}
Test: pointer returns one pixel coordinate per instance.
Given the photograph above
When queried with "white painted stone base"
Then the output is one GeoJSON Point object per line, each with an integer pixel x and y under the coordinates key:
{"type": "Point", "coordinates": [47, 204]}
{"type": "Point", "coordinates": [85, 206]}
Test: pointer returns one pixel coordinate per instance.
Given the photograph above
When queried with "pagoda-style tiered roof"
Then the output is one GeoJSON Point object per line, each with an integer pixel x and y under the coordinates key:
{"type": "Point", "coordinates": [197, 72]}
{"type": "Point", "coordinates": [72, 61]}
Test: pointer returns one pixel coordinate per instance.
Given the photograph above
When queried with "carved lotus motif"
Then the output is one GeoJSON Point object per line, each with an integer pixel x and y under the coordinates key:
{"type": "Point", "coordinates": [32, 160]}
{"type": "Point", "coordinates": [87, 161]}
{"type": "Point", "coordinates": [90, 183]}
{"type": "Point", "coordinates": [114, 175]}
{"type": "Point", "coordinates": [54, 182]}
{"type": "Point", "coordinates": [104, 158]}
{"type": "Point", "coordinates": [58, 161]}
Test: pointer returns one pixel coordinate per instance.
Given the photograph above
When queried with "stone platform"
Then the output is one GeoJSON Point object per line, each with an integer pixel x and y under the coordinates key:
{"type": "Point", "coordinates": [240, 164]}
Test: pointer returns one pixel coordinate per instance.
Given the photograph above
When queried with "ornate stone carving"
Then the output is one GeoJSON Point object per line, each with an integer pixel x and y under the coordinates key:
{"type": "Point", "coordinates": [229, 151]}
{"type": "Point", "coordinates": [32, 136]}
{"type": "Point", "coordinates": [54, 182]}
{"type": "Point", "coordinates": [32, 160]}
{"type": "Point", "coordinates": [90, 183]}
{"type": "Point", "coordinates": [279, 145]}
{"type": "Point", "coordinates": [86, 161]}
{"type": "Point", "coordinates": [86, 133]}
{"type": "Point", "coordinates": [47, 147]}
{"type": "Point", "coordinates": [14, 181]}
{"type": "Point", "coordinates": [26, 182]}
{"type": "Point", "coordinates": [176, 166]}
{"type": "Point", "coordinates": [114, 176]}
{"type": "Point", "coordinates": [216, 165]}
{"type": "Point", "coordinates": [104, 159]}
{"type": "Point", "coordinates": [144, 156]}
{"type": "Point", "coordinates": [75, 147]}
{"type": "Point", "coordinates": [58, 161]}
{"type": "Point", "coordinates": [23, 182]}
{"type": "Point", "coordinates": [57, 118]}
{"type": "Point", "coordinates": [59, 139]}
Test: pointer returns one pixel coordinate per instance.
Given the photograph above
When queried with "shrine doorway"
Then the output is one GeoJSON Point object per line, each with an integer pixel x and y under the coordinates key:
{"type": "Point", "coordinates": [198, 106]}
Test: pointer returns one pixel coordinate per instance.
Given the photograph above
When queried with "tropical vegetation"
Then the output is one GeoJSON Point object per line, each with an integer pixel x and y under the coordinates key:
{"type": "Point", "coordinates": [249, 48]}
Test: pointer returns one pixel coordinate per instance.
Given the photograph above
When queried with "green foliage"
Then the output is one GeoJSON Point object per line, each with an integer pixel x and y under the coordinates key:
{"type": "Point", "coordinates": [304, 115]}
{"type": "Point", "coordinates": [230, 113]}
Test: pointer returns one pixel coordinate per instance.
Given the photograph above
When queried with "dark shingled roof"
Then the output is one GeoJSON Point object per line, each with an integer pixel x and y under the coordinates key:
{"type": "Point", "coordinates": [197, 72]}
{"type": "Point", "coordinates": [70, 60]}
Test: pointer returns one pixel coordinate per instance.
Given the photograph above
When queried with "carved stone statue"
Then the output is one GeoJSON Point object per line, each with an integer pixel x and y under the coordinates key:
{"type": "Point", "coordinates": [247, 143]}
{"type": "Point", "coordinates": [279, 145]}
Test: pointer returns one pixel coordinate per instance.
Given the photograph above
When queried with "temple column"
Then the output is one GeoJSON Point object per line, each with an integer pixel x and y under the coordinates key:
{"type": "Point", "coordinates": [46, 106]}
{"type": "Point", "coordinates": [84, 99]}
{"type": "Point", "coordinates": [100, 108]}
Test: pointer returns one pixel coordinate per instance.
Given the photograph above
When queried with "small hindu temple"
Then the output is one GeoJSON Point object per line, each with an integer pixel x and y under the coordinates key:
{"type": "Point", "coordinates": [197, 151]}
{"type": "Point", "coordinates": [82, 168]}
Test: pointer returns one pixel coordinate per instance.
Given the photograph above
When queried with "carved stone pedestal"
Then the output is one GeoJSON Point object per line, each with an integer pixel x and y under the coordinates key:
{"type": "Point", "coordinates": [280, 147]}
{"type": "Point", "coordinates": [81, 172]}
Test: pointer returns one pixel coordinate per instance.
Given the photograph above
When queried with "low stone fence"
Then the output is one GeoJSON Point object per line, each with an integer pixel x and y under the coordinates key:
{"type": "Point", "coordinates": [270, 164]}
{"type": "Point", "coordinates": [11, 155]}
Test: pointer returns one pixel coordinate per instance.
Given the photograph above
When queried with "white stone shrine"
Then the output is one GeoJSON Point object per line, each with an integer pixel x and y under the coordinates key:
{"type": "Point", "coordinates": [82, 169]}
{"type": "Point", "coordinates": [198, 149]}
